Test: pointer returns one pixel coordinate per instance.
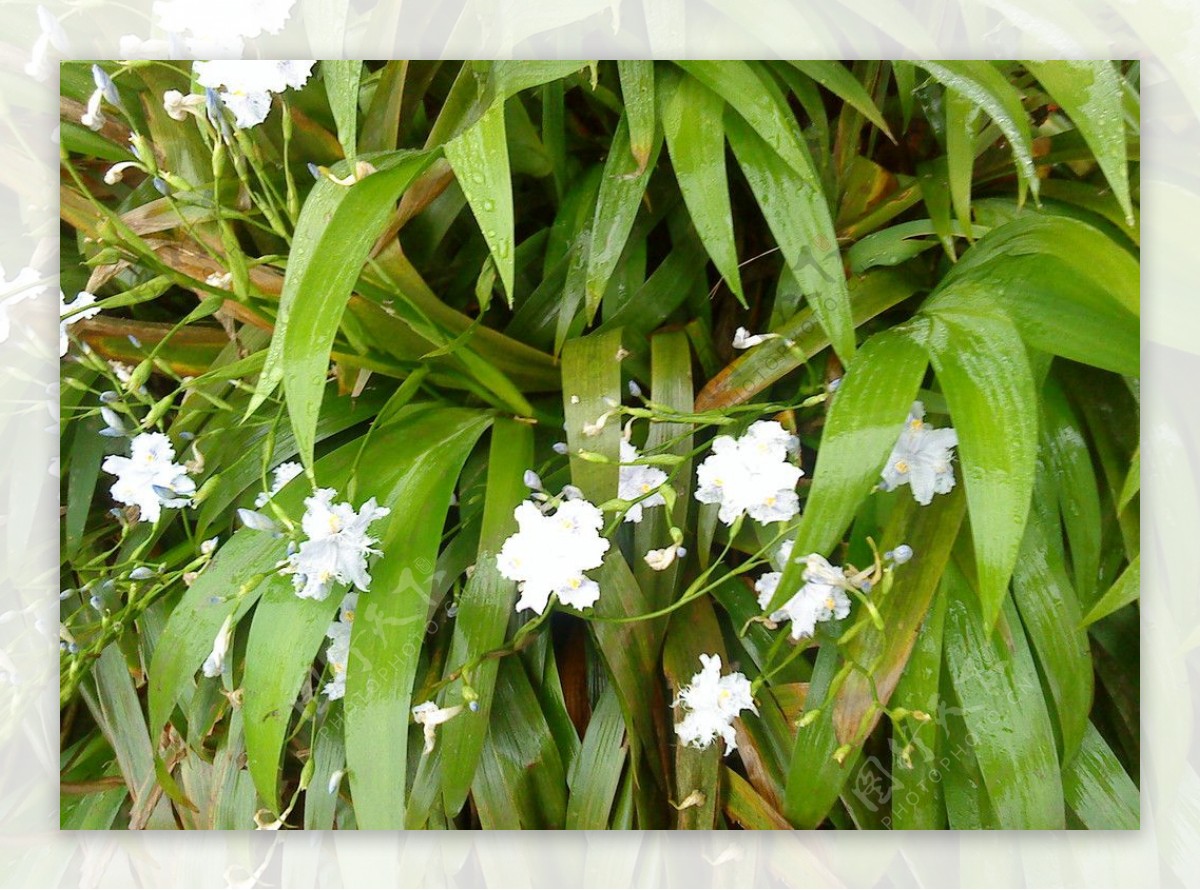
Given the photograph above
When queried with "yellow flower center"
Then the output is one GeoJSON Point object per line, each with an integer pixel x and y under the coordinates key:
{"type": "Point", "coordinates": [901, 466]}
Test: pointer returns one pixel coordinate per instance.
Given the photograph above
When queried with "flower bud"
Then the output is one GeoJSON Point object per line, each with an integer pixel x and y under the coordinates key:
{"type": "Point", "coordinates": [260, 522]}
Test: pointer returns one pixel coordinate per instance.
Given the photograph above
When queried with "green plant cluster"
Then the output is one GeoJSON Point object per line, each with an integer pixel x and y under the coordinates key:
{"type": "Point", "coordinates": [421, 279]}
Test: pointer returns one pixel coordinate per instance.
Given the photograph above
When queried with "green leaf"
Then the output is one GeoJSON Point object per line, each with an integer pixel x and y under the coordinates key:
{"type": "Point", "coordinates": [1125, 590]}
{"type": "Point", "coordinates": [631, 654]}
{"type": "Point", "coordinates": [188, 637]}
{"type": "Point", "coordinates": [1074, 478]}
{"type": "Point", "coordinates": [381, 125]}
{"type": "Point", "coordinates": [814, 777]}
{"type": "Point", "coordinates": [906, 81]}
{"type": "Point", "coordinates": [390, 621]}
{"type": "Point", "coordinates": [934, 177]}
{"type": "Point", "coordinates": [982, 367]}
{"type": "Point", "coordinates": [931, 532]}
{"type": "Point", "coordinates": [621, 192]}
{"type": "Point", "coordinates": [88, 450]}
{"type": "Point", "coordinates": [798, 215]}
{"type": "Point", "coordinates": [592, 374]}
{"type": "Point", "coordinates": [118, 713]}
{"type": "Point", "coordinates": [479, 156]}
{"type": "Point", "coordinates": [1097, 789]}
{"type": "Point", "coordinates": [921, 805]}
{"type": "Point", "coordinates": [746, 807]}
{"type": "Point", "coordinates": [671, 385]}
{"type": "Point", "coordinates": [520, 782]}
{"type": "Point", "coordinates": [337, 228]}
{"type": "Point", "coordinates": [637, 89]}
{"type": "Point", "coordinates": [865, 419]}
{"type": "Point", "coordinates": [484, 608]}
{"type": "Point", "coordinates": [836, 78]}
{"type": "Point", "coordinates": [1090, 92]}
{"type": "Point", "coordinates": [1070, 289]}
{"type": "Point", "coordinates": [1049, 610]}
{"type": "Point", "coordinates": [960, 154]}
{"type": "Point", "coordinates": [342, 78]}
{"type": "Point", "coordinates": [997, 686]}
{"type": "Point", "coordinates": [285, 636]}
{"type": "Point", "coordinates": [329, 756]}
{"type": "Point", "coordinates": [691, 116]}
{"type": "Point", "coordinates": [981, 83]}
{"type": "Point", "coordinates": [596, 770]}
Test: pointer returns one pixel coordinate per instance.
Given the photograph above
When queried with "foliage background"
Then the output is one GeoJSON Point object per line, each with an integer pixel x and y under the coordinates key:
{"type": "Point", "coordinates": [1148, 29]}
{"type": "Point", "coordinates": [546, 186]}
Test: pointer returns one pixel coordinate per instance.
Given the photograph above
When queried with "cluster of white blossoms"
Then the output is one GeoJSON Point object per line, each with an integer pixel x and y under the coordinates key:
{"type": "Point", "coordinates": [922, 458]}
{"type": "Point", "coordinates": [283, 474]}
{"type": "Point", "coordinates": [68, 313]}
{"type": "Point", "coordinates": [822, 598]}
{"type": "Point", "coordinates": [338, 653]}
{"type": "Point", "coordinates": [637, 480]}
{"type": "Point", "coordinates": [337, 545]}
{"type": "Point", "coordinates": [751, 474]}
{"type": "Point", "coordinates": [550, 552]}
{"type": "Point", "coordinates": [149, 478]}
{"type": "Point", "coordinates": [711, 703]}
{"type": "Point", "coordinates": [245, 87]}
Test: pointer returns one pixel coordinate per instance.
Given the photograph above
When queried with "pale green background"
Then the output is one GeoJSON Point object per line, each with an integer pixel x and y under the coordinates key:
{"type": "Point", "coordinates": [1164, 33]}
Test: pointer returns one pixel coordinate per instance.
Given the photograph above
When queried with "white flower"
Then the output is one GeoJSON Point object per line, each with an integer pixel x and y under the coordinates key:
{"type": "Point", "coordinates": [284, 473]}
{"type": "Point", "coordinates": [26, 286]}
{"type": "Point", "coordinates": [550, 553]}
{"type": "Point", "coordinates": [337, 547]}
{"type": "Point", "coordinates": [219, 27]}
{"type": "Point", "coordinates": [659, 560]}
{"type": "Point", "coordinates": [751, 474]}
{"type": "Point", "coordinates": [743, 339]}
{"type": "Point", "coordinates": [79, 308]}
{"type": "Point", "coordinates": [246, 86]}
{"type": "Point", "coordinates": [178, 106]}
{"type": "Point", "coordinates": [150, 479]}
{"type": "Point", "coordinates": [338, 653]}
{"type": "Point", "coordinates": [430, 716]}
{"type": "Point", "coordinates": [636, 480]}
{"type": "Point", "coordinates": [712, 703]}
{"type": "Point", "coordinates": [922, 458]}
{"type": "Point", "coordinates": [215, 663]}
{"type": "Point", "coordinates": [40, 66]}
{"type": "Point", "coordinates": [822, 597]}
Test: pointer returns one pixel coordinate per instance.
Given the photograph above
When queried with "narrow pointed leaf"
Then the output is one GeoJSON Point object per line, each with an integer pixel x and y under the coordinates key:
{"type": "Point", "coordinates": [479, 157]}
{"type": "Point", "coordinates": [696, 143]}
{"type": "Point", "coordinates": [1090, 92]}
{"type": "Point", "coordinates": [637, 89]}
{"type": "Point", "coordinates": [982, 367]}
{"type": "Point", "coordinates": [342, 79]}
{"type": "Point", "coordinates": [798, 215]}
